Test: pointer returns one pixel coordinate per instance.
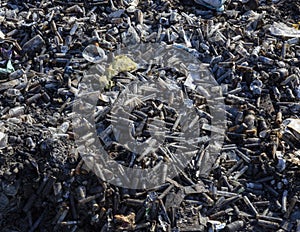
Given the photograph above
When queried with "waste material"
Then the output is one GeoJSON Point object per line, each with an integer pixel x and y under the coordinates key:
{"type": "Point", "coordinates": [5, 71]}
{"type": "Point", "coordinates": [33, 44]}
{"type": "Point", "coordinates": [291, 130]}
{"type": "Point", "coordinates": [120, 63]}
{"type": "Point", "coordinates": [212, 4]}
{"type": "Point", "coordinates": [53, 52]}
{"type": "Point", "coordinates": [281, 29]}
{"type": "Point", "coordinates": [125, 222]}
{"type": "Point", "coordinates": [293, 125]}
{"type": "Point", "coordinates": [3, 140]}
{"type": "Point", "coordinates": [93, 54]}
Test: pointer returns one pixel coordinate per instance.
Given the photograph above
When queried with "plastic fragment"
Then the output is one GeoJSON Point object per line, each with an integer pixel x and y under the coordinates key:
{"type": "Point", "coordinates": [281, 29]}
{"type": "Point", "coordinates": [33, 44]}
{"type": "Point", "coordinates": [212, 4]}
{"type": "Point", "coordinates": [9, 69]}
{"type": "Point", "coordinates": [3, 140]}
{"type": "Point", "coordinates": [93, 53]}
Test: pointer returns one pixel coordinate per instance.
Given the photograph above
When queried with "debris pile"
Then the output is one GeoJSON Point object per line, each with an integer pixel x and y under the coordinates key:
{"type": "Point", "coordinates": [53, 51]}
